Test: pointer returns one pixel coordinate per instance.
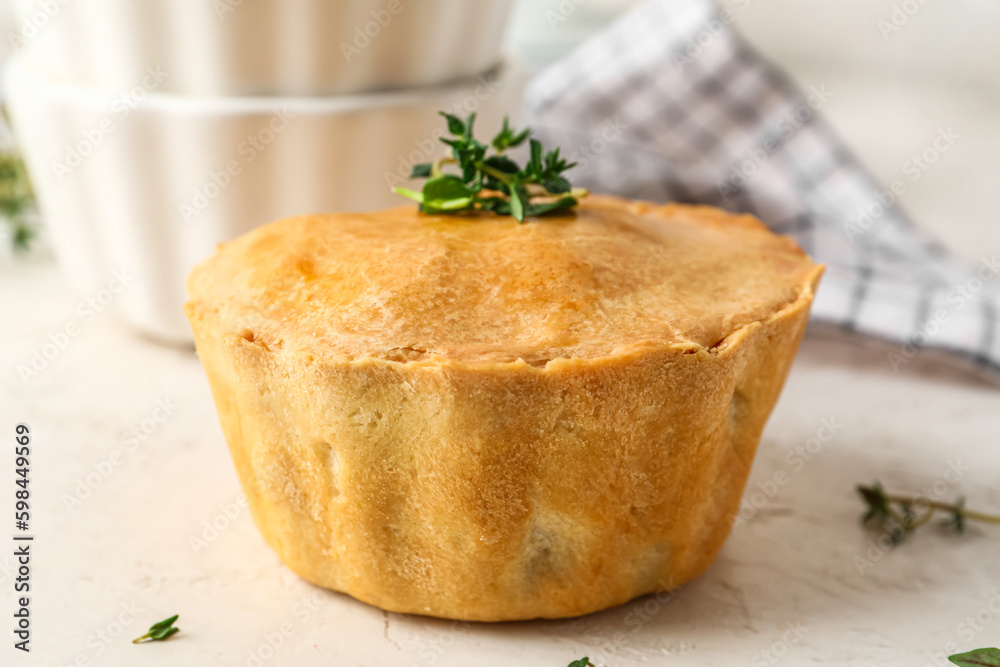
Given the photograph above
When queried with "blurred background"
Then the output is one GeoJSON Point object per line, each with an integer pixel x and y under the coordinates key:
{"type": "Point", "coordinates": [893, 86]}
{"type": "Point", "coordinates": [148, 172]}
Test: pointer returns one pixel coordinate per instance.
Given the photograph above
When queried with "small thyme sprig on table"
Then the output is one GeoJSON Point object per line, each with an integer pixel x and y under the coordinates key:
{"type": "Point", "coordinates": [582, 662]}
{"type": "Point", "coordinates": [159, 631]}
{"type": "Point", "coordinates": [493, 182]}
{"type": "Point", "coordinates": [901, 515]}
{"type": "Point", "coordinates": [16, 199]}
{"type": "Point", "coordinates": [985, 657]}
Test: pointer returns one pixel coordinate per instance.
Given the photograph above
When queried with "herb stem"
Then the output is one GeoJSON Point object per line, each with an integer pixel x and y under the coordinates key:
{"type": "Point", "coordinates": [933, 506]}
{"type": "Point", "coordinates": [436, 167]}
{"type": "Point", "coordinates": [900, 515]}
{"type": "Point", "coordinates": [495, 173]}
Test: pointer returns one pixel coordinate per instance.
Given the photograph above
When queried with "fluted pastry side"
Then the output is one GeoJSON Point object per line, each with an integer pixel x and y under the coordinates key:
{"type": "Point", "coordinates": [498, 490]}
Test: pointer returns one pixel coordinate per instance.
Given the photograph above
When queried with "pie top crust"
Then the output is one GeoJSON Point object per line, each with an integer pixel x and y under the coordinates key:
{"type": "Point", "coordinates": [611, 277]}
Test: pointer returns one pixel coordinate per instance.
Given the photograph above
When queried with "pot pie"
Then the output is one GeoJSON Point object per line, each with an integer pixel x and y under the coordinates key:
{"type": "Point", "coordinates": [471, 418]}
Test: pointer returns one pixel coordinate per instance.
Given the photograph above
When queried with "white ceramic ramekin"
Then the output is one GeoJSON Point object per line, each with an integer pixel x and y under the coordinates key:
{"type": "Point", "coordinates": [149, 183]}
{"type": "Point", "coordinates": [266, 47]}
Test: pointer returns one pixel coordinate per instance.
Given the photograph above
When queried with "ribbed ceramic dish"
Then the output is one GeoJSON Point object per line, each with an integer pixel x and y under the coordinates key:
{"type": "Point", "coordinates": [152, 185]}
{"type": "Point", "coordinates": [267, 47]}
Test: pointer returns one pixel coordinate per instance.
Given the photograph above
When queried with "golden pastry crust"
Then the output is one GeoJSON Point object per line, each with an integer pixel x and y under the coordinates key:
{"type": "Point", "coordinates": [484, 420]}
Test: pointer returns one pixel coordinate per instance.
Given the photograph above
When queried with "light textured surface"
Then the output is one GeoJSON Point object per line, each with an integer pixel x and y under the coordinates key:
{"type": "Point", "coordinates": [792, 563]}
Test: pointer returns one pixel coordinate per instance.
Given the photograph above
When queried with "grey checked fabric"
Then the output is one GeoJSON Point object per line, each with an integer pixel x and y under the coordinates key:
{"type": "Point", "coordinates": [670, 104]}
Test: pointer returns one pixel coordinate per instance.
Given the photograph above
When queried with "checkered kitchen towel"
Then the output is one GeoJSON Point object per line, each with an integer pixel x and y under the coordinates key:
{"type": "Point", "coordinates": [670, 104]}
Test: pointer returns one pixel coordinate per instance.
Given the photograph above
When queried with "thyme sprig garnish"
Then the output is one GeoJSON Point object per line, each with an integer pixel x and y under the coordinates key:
{"type": "Point", "coordinates": [493, 182]}
{"type": "Point", "coordinates": [159, 631]}
{"type": "Point", "coordinates": [901, 515]}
